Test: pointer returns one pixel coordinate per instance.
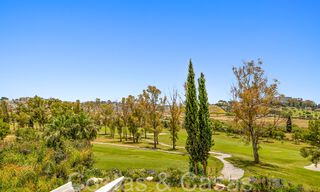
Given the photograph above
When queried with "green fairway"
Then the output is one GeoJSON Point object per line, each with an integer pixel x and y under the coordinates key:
{"type": "Point", "coordinates": [109, 157]}
{"type": "Point", "coordinates": [279, 160]}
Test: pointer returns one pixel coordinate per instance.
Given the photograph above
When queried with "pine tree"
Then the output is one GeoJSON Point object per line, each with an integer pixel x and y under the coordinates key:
{"type": "Point", "coordinates": [289, 124]}
{"type": "Point", "coordinates": [191, 120]}
{"type": "Point", "coordinates": [205, 133]}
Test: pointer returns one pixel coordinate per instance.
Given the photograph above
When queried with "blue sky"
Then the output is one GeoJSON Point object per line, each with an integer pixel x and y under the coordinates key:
{"type": "Point", "coordinates": [76, 49]}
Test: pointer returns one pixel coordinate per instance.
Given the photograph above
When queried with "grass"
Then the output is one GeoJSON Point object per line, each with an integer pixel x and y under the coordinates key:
{"type": "Point", "coordinates": [109, 157]}
{"type": "Point", "coordinates": [279, 160]}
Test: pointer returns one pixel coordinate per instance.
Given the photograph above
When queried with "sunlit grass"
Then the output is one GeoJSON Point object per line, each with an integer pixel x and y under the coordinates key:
{"type": "Point", "coordinates": [279, 159]}
{"type": "Point", "coordinates": [109, 157]}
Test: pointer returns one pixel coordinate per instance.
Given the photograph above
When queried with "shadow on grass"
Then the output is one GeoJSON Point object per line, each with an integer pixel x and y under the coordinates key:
{"type": "Point", "coordinates": [267, 141]}
{"type": "Point", "coordinates": [249, 164]}
{"type": "Point", "coordinates": [171, 149]}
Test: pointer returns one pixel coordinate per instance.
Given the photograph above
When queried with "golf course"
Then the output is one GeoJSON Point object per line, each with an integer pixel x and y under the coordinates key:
{"type": "Point", "coordinates": [159, 96]}
{"type": "Point", "coordinates": [280, 159]}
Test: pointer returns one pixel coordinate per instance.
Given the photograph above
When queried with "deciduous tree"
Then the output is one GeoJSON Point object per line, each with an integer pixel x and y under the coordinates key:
{"type": "Point", "coordinates": [133, 118]}
{"type": "Point", "coordinates": [143, 107]}
{"type": "Point", "coordinates": [175, 109]}
{"type": "Point", "coordinates": [118, 121]}
{"type": "Point", "coordinates": [313, 137]}
{"type": "Point", "coordinates": [253, 100]}
{"type": "Point", "coordinates": [107, 113]}
{"type": "Point", "coordinates": [125, 117]}
{"type": "Point", "coordinates": [155, 111]}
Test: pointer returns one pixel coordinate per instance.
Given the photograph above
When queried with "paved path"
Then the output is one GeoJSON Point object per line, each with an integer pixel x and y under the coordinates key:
{"type": "Point", "coordinates": [312, 167]}
{"type": "Point", "coordinates": [229, 171]}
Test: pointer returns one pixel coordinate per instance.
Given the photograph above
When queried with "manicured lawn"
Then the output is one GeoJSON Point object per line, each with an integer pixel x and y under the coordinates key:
{"type": "Point", "coordinates": [109, 157]}
{"type": "Point", "coordinates": [279, 160]}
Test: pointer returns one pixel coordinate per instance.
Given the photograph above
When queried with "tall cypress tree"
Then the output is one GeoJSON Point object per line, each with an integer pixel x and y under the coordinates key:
{"type": "Point", "coordinates": [205, 132]}
{"type": "Point", "coordinates": [191, 120]}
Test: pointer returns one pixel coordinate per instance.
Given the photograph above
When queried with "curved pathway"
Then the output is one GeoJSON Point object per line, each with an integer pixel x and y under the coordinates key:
{"type": "Point", "coordinates": [229, 171]}
{"type": "Point", "coordinates": [312, 167]}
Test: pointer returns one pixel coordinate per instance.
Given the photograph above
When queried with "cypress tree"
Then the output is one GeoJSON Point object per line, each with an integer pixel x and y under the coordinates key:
{"type": "Point", "coordinates": [191, 120]}
{"type": "Point", "coordinates": [205, 132]}
{"type": "Point", "coordinates": [289, 124]}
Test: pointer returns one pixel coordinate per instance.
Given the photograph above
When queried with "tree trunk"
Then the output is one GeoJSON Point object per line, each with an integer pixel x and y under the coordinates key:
{"type": "Point", "coordinates": [154, 140]}
{"type": "Point", "coordinates": [105, 130]}
{"type": "Point", "coordinates": [195, 164]}
{"type": "Point", "coordinates": [255, 148]}
{"type": "Point", "coordinates": [173, 140]}
{"type": "Point", "coordinates": [126, 135]}
{"type": "Point", "coordinates": [145, 133]}
{"type": "Point", "coordinates": [204, 164]}
{"type": "Point", "coordinates": [135, 139]}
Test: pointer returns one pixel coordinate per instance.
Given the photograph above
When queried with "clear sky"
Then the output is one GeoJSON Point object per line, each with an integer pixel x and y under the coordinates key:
{"type": "Point", "coordinates": [76, 49]}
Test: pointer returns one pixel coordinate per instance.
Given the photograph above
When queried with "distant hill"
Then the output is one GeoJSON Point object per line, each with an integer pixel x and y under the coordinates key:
{"type": "Point", "coordinates": [216, 110]}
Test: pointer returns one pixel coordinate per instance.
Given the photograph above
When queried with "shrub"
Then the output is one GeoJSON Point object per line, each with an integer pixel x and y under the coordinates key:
{"type": "Point", "coordinates": [24, 134]}
{"type": "Point", "coordinates": [173, 177]}
{"type": "Point", "coordinates": [136, 174]}
{"type": "Point", "coordinates": [4, 129]}
{"type": "Point", "coordinates": [265, 184]}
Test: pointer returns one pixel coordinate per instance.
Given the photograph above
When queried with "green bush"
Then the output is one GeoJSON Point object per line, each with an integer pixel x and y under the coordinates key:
{"type": "Point", "coordinates": [4, 129]}
{"type": "Point", "coordinates": [265, 184]}
{"type": "Point", "coordinates": [23, 134]}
